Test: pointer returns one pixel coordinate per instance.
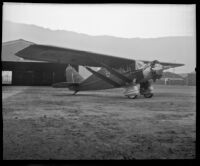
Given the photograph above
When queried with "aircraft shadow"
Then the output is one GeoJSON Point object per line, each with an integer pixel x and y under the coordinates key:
{"type": "Point", "coordinates": [90, 95]}
{"type": "Point", "coordinates": [99, 96]}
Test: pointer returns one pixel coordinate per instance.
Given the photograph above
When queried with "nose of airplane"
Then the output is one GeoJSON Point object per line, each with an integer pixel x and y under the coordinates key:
{"type": "Point", "coordinates": [158, 69]}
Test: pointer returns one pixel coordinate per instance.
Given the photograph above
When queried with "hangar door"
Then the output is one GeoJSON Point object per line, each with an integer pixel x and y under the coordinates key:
{"type": "Point", "coordinates": [25, 77]}
{"type": "Point", "coordinates": [32, 78]}
{"type": "Point", "coordinates": [28, 73]}
{"type": "Point", "coordinates": [42, 77]}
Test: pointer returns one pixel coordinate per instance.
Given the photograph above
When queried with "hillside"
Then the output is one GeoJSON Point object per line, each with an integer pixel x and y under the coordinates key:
{"type": "Point", "coordinates": [10, 48]}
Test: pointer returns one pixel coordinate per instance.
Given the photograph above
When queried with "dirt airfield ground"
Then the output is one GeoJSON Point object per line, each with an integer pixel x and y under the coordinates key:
{"type": "Point", "coordinates": [47, 123]}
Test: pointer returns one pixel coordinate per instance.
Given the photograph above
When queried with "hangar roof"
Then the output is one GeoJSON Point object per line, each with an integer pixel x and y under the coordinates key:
{"type": "Point", "coordinates": [11, 47]}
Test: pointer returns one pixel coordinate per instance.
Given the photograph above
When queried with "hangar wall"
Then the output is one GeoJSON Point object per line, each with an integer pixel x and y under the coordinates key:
{"type": "Point", "coordinates": [32, 73]}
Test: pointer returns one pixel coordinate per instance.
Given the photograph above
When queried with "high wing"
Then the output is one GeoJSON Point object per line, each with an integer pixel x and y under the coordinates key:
{"type": "Point", "coordinates": [76, 57]}
{"type": "Point", "coordinates": [71, 56]}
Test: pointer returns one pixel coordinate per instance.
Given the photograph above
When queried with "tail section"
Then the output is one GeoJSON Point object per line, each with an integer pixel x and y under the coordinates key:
{"type": "Point", "coordinates": [72, 75]}
{"type": "Point", "coordinates": [73, 80]}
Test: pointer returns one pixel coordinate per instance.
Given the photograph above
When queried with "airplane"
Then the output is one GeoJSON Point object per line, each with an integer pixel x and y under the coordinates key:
{"type": "Point", "coordinates": [135, 76]}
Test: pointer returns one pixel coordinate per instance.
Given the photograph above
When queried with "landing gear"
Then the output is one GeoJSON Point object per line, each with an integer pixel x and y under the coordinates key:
{"type": "Point", "coordinates": [148, 95]}
{"type": "Point", "coordinates": [132, 91]}
{"type": "Point", "coordinates": [132, 97]}
{"type": "Point", "coordinates": [146, 89]}
{"type": "Point", "coordinates": [75, 92]}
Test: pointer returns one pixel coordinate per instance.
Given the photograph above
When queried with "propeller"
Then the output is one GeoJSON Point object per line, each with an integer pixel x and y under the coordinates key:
{"type": "Point", "coordinates": [157, 69]}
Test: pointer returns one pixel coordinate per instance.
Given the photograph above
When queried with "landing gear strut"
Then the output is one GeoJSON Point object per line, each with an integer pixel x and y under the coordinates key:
{"type": "Point", "coordinates": [148, 95]}
{"type": "Point", "coordinates": [146, 89]}
{"type": "Point", "coordinates": [132, 91]}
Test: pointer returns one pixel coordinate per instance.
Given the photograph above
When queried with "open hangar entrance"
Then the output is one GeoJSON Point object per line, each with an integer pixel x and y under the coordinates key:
{"type": "Point", "coordinates": [17, 71]}
{"type": "Point", "coordinates": [32, 73]}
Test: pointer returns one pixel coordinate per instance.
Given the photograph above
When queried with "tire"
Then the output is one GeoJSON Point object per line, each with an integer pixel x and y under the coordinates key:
{"type": "Point", "coordinates": [132, 97]}
{"type": "Point", "coordinates": [148, 95]}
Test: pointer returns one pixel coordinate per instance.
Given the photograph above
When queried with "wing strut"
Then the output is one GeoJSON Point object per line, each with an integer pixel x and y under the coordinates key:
{"type": "Point", "coordinates": [117, 74]}
{"type": "Point", "coordinates": [115, 84]}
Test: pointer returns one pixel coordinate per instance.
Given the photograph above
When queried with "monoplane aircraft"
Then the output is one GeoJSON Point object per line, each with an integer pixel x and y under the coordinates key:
{"type": "Point", "coordinates": [115, 72]}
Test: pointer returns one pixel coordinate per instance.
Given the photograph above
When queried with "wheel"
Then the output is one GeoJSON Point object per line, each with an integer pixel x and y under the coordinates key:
{"type": "Point", "coordinates": [132, 97]}
{"type": "Point", "coordinates": [75, 92]}
{"type": "Point", "coordinates": [148, 95]}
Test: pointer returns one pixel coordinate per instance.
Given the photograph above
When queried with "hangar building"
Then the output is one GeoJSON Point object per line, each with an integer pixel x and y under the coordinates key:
{"type": "Point", "coordinates": [18, 71]}
{"type": "Point", "coordinates": [190, 79]}
{"type": "Point", "coordinates": [169, 78]}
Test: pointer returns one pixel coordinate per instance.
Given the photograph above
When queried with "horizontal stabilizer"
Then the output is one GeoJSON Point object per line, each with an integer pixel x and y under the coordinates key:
{"type": "Point", "coordinates": [65, 85]}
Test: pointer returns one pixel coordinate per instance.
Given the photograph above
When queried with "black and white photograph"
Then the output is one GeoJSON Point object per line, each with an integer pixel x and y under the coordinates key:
{"type": "Point", "coordinates": [98, 81]}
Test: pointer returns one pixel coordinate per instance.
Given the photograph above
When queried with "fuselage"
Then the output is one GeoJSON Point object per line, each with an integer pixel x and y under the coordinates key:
{"type": "Point", "coordinates": [137, 75]}
{"type": "Point", "coordinates": [135, 79]}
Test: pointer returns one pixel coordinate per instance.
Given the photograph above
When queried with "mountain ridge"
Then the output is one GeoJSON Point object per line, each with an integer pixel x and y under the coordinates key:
{"type": "Point", "coordinates": [63, 30]}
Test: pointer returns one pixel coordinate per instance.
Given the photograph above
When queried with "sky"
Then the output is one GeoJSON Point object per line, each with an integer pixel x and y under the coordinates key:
{"type": "Point", "coordinates": [121, 20]}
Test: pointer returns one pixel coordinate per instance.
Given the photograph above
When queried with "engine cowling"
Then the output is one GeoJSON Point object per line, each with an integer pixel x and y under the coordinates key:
{"type": "Point", "coordinates": [153, 71]}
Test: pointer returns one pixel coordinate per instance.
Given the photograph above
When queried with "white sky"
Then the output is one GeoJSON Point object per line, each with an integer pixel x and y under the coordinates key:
{"type": "Point", "coordinates": [122, 20]}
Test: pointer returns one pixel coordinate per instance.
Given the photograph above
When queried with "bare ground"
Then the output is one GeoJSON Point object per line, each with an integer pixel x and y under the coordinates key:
{"type": "Point", "coordinates": [47, 123]}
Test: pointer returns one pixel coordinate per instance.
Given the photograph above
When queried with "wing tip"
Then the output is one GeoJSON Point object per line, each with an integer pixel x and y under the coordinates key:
{"type": "Point", "coordinates": [179, 65]}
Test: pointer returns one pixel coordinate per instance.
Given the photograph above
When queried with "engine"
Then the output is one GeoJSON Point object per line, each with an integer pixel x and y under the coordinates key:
{"type": "Point", "coordinates": [142, 85]}
{"type": "Point", "coordinates": [146, 89]}
{"type": "Point", "coordinates": [153, 71]}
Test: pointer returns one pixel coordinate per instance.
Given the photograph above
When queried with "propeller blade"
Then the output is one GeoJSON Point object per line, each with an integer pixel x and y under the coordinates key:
{"type": "Point", "coordinates": [167, 67]}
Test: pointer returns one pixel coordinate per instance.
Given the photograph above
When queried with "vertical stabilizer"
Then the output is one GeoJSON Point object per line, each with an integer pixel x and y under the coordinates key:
{"type": "Point", "coordinates": [72, 76]}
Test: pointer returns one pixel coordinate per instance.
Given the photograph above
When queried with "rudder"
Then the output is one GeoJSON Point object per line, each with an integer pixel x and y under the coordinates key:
{"type": "Point", "coordinates": [73, 79]}
{"type": "Point", "coordinates": [72, 75]}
